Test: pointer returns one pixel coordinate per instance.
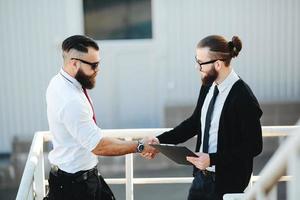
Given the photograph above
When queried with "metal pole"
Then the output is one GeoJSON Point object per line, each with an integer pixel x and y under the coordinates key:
{"type": "Point", "coordinates": [39, 175]}
{"type": "Point", "coordinates": [293, 192]}
{"type": "Point", "coordinates": [273, 193]}
{"type": "Point", "coordinates": [129, 174]}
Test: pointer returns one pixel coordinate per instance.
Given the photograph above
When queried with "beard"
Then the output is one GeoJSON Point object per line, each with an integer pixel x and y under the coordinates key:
{"type": "Point", "coordinates": [210, 76]}
{"type": "Point", "coordinates": [86, 81]}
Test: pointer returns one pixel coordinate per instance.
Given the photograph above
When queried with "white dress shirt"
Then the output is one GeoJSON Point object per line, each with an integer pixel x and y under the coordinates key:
{"type": "Point", "coordinates": [70, 118]}
{"type": "Point", "coordinates": [224, 89]}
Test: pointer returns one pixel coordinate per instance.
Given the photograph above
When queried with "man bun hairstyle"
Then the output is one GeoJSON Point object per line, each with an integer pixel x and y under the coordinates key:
{"type": "Point", "coordinates": [80, 43]}
{"type": "Point", "coordinates": [235, 46]}
{"type": "Point", "coordinates": [220, 48]}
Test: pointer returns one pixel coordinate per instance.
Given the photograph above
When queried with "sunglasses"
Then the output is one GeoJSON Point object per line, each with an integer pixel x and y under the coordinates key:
{"type": "Point", "coordinates": [93, 65]}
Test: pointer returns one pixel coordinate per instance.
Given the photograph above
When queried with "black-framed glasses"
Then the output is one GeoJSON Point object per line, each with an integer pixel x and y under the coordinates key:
{"type": "Point", "coordinates": [93, 65]}
{"type": "Point", "coordinates": [199, 64]}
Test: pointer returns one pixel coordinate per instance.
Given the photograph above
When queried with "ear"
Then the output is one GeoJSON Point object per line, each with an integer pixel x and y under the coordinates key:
{"type": "Point", "coordinates": [218, 65]}
{"type": "Point", "coordinates": [75, 65]}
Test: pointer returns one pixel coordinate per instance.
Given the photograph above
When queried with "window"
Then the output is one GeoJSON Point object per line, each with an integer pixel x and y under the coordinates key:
{"type": "Point", "coordinates": [117, 19]}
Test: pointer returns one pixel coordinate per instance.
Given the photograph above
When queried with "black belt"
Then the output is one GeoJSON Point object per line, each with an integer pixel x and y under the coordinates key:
{"type": "Point", "coordinates": [78, 176]}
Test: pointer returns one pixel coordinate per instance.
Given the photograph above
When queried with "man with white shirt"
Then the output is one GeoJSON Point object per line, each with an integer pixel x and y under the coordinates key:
{"type": "Point", "coordinates": [77, 139]}
{"type": "Point", "coordinates": [226, 121]}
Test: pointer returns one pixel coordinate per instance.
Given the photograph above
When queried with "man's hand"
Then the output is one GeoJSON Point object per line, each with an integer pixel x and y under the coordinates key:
{"type": "Point", "coordinates": [202, 162]}
{"type": "Point", "coordinates": [149, 151]}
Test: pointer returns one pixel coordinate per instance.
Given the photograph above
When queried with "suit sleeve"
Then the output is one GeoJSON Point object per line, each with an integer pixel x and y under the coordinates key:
{"type": "Point", "coordinates": [185, 130]}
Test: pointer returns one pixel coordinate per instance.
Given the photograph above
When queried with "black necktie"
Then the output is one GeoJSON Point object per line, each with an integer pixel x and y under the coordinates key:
{"type": "Point", "coordinates": [208, 120]}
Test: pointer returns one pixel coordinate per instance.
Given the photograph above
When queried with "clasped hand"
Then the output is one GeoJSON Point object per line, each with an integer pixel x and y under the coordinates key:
{"type": "Point", "coordinates": [149, 151]}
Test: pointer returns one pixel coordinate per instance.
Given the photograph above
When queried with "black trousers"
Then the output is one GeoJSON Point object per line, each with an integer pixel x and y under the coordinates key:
{"type": "Point", "coordinates": [203, 187]}
{"type": "Point", "coordinates": [93, 187]}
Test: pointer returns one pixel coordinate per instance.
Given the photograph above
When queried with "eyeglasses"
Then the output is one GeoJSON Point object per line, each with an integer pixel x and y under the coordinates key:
{"type": "Point", "coordinates": [205, 63]}
{"type": "Point", "coordinates": [93, 65]}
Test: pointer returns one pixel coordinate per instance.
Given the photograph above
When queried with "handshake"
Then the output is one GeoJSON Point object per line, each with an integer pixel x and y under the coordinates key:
{"type": "Point", "coordinates": [149, 152]}
{"type": "Point", "coordinates": [201, 162]}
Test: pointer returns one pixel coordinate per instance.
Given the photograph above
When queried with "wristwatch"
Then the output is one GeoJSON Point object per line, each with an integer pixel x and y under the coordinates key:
{"type": "Point", "coordinates": [140, 146]}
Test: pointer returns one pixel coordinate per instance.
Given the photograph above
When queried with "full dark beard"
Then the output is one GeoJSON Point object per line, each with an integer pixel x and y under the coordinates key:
{"type": "Point", "coordinates": [210, 77]}
{"type": "Point", "coordinates": [86, 81]}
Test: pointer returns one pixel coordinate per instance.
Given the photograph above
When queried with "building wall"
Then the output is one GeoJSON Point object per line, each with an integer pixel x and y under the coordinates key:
{"type": "Point", "coordinates": [161, 71]}
{"type": "Point", "coordinates": [30, 34]}
{"type": "Point", "coordinates": [140, 78]}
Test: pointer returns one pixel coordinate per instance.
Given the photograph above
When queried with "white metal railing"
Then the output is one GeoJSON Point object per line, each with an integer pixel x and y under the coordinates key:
{"type": "Point", "coordinates": [286, 158]}
{"type": "Point", "coordinates": [32, 184]}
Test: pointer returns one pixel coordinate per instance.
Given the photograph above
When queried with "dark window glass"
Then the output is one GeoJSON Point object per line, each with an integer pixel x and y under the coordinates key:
{"type": "Point", "coordinates": [117, 19]}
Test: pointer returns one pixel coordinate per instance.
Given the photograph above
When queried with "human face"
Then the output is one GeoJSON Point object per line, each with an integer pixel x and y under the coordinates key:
{"type": "Point", "coordinates": [206, 66]}
{"type": "Point", "coordinates": [86, 81]}
{"type": "Point", "coordinates": [89, 68]}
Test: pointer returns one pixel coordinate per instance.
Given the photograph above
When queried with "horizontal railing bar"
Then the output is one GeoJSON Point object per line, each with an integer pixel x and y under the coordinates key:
{"type": "Point", "coordinates": [278, 131]}
{"type": "Point", "coordinates": [151, 180]}
{"type": "Point", "coordinates": [122, 181]}
{"type": "Point", "coordinates": [169, 180]}
{"type": "Point", "coordinates": [282, 179]}
{"type": "Point", "coordinates": [268, 131]}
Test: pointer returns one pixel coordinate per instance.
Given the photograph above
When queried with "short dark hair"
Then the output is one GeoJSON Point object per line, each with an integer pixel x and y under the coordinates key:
{"type": "Point", "coordinates": [223, 48]}
{"type": "Point", "coordinates": [80, 43]}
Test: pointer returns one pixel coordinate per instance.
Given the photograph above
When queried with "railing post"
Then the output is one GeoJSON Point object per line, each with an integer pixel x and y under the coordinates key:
{"type": "Point", "coordinates": [31, 193]}
{"type": "Point", "coordinates": [27, 186]}
{"type": "Point", "coordinates": [260, 195]}
{"type": "Point", "coordinates": [129, 174]}
{"type": "Point", "coordinates": [293, 170]}
{"type": "Point", "coordinates": [39, 174]}
{"type": "Point", "coordinates": [273, 193]}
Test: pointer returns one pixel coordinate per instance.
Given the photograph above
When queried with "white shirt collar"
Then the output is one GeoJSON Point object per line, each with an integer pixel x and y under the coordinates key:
{"type": "Point", "coordinates": [229, 81]}
{"type": "Point", "coordinates": [69, 78]}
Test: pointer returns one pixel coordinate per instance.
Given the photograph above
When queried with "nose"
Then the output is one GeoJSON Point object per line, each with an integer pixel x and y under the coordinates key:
{"type": "Point", "coordinates": [97, 70]}
{"type": "Point", "coordinates": [197, 67]}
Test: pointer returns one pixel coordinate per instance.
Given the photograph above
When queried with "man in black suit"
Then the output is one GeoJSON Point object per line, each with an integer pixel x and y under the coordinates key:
{"type": "Point", "coordinates": [226, 121]}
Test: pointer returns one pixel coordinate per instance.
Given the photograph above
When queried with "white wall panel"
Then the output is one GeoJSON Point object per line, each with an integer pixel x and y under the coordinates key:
{"type": "Point", "coordinates": [269, 31]}
{"type": "Point", "coordinates": [140, 77]}
{"type": "Point", "coordinates": [30, 35]}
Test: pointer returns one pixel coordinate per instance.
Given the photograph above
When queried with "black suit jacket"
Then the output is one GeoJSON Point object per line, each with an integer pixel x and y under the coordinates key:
{"type": "Point", "coordinates": [239, 137]}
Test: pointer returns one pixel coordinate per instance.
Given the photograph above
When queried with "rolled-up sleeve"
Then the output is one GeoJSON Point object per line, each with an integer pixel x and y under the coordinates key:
{"type": "Point", "coordinates": [77, 120]}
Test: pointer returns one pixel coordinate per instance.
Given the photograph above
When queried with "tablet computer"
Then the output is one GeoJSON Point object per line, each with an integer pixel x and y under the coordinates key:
{"type": "Point", "coordinates": [176, 153]}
